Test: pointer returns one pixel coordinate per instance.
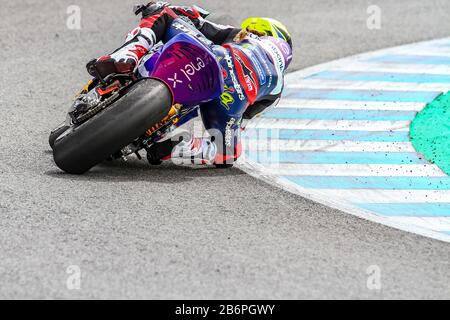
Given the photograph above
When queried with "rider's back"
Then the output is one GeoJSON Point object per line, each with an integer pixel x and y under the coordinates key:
{"type": "Point", "coordinates": [262, 61]}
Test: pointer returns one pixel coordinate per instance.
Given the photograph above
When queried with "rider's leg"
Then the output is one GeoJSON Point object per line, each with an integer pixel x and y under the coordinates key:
{"type": "Point", "coordinates": [224, 127]}
{"type": "Point", "coordinates": [152, 28]}
{"type": "Point", "coordinates": [222, 146]}
{"type": "Point", "coordinates": [222, 118]}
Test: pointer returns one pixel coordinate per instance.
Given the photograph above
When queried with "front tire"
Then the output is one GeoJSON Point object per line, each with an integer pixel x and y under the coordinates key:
{"type": "Point", "coordinates": [145, 104]}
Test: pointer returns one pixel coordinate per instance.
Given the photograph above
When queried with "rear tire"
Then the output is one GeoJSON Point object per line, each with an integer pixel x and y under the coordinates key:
{"type": "Point", "coordinates": [145, 104]}
{"type": "Point", "coordinates": [55, 134]}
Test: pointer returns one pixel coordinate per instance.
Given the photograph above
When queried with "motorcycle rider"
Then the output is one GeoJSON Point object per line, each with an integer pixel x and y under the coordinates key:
{"type": "Point", "coordinates": [253, 61]}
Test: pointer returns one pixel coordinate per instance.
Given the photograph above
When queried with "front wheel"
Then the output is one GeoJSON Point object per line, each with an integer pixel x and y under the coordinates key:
{"type": "Point", "coordinates": [80, 148]}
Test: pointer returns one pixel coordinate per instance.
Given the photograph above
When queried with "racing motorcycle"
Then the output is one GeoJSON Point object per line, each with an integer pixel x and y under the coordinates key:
{"type": "Point", "coordinates": [123, 114]}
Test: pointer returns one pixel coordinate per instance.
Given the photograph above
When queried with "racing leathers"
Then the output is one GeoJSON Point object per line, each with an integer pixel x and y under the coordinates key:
{"type": "Point", "coordinates": [253, 73]}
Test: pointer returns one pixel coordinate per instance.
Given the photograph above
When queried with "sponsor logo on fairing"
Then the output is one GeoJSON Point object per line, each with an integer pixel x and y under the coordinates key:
{"type": "Point", "coordinates": [188, 71]}
{"type": "Point", "coordinates": [175, 80]}
{"type": "Point", "coordinates": [192, 68]}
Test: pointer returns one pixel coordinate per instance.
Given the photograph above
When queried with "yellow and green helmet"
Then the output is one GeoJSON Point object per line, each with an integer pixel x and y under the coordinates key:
{"type": "Point", "coordinates": [269, 27]}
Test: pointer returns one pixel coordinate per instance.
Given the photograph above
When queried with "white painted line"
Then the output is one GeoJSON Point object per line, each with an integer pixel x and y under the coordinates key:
{"type": "Point", "coordinates": [436, 224]}
{"type": "Point", "coordinates": [424, 51]}
{"type": "Point", "coordinates": [368, 85]}
{"type": "Point", "coordinates": [331, 199]}
{"type": "Point", "coordinates": [352, 200]}
{"type": "Point", "coordinates": [349, 125]}
{"type": "Point", "coordinates": [327, 145]}
{"type": "Point", "coordinates": [352, 105]}
{"type": "Point", "coordinates": [354, 170]}
{"type": "Point", "coordinates": [393, 68]}
{"type": "Point", "coordinates": [389, 196]}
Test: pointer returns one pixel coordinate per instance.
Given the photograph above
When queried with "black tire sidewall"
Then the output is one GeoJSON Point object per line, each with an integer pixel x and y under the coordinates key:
{"type": "Point", "coordinates": [144, 104]}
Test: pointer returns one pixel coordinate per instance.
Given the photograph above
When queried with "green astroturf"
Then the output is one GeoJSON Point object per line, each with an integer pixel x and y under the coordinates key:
{"type": "Point", "coordinates": [430, 132]}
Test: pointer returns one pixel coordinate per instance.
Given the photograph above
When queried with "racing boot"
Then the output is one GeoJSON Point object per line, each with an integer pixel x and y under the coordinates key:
{"type": "Point", "coordinates": [138, 42]}
{"type": "Point", "coordinates": [156, 17]}
{"type": "Point", "coordinates": [183, 149]}
{"type": "Point", "coordinates": [125, 59]}
{"type": "Point", "coordinates": [199, 151]}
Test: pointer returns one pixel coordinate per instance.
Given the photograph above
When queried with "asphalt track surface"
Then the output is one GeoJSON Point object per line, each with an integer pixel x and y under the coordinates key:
{"type": "Point", "coordinates": [171, 232]}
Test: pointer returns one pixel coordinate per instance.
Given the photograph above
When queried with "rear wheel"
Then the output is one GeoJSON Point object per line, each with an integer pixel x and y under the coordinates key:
{"type": "Point", "coordinates": [80, 148]}
{"type": "Point", "coordinates": [55, 134]}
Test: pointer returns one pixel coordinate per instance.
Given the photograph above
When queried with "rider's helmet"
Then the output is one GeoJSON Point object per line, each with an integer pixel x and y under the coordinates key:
{"type": "Point", "coordinates": [277, 34]}
{"type": "Point", "coordinates": [268, 27]}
